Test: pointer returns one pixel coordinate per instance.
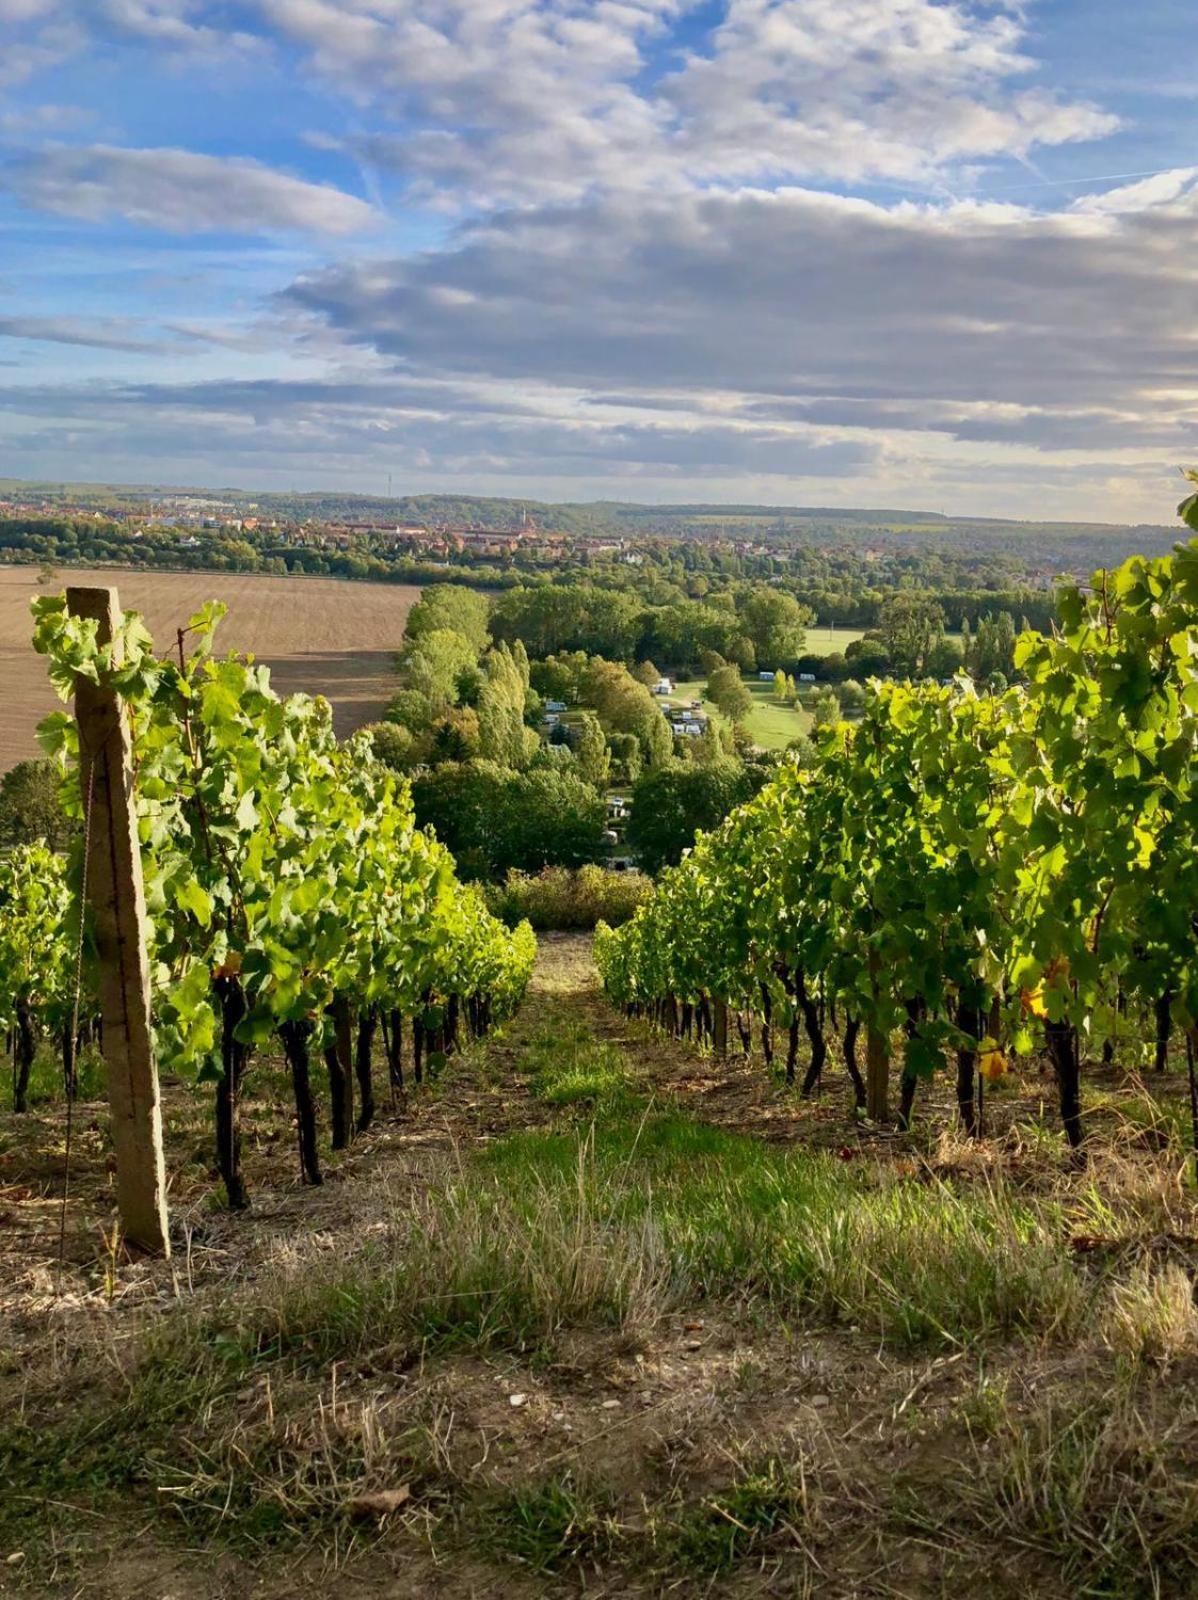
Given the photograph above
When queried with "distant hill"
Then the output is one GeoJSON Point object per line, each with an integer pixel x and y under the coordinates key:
{"type": "Point", "coordinates": [1056, 546]}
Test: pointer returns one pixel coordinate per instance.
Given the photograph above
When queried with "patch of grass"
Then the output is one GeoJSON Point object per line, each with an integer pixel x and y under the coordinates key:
{"type": "Point", "coordinates": [1151, 1317]}
{"type": "Point", "coordinates": [910, 1261]}
{"type": "Point", "coordinates": [731, 1526]}
{"type": "Point", "coordinates": [1140, 1117]}
{"type": "Point", "coordinates": [1103, 1487]}
{"type": "Point", "coordinates": [552, 1526]}
{"type": "Point", "coordinates": [569, 1067]}
{"type": "Point", "coordinates": [565, 1524]}
{"type": "Point", "coordinates": [769, 723]}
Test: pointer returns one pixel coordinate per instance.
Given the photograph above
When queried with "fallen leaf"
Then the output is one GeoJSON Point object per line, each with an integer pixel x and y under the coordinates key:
{"type": "Point", "coordinates": [381, 1504]}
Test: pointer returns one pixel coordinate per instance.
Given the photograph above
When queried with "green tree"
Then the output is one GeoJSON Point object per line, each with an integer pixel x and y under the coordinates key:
{"type": "Point", "coordinates": [910, 625]}
{"type": "Point", "coordinates": [494, 819]}
{"type": "Point", "coordinates": [944, 659]}
{"type": "Point", "coordinates": [502, 734]}
{"type": "Point", "coordinates": [591, 751]}
{"type": "Point", "coordinates": [626, 706]}
{"type": "Point", "coordinates": [392, 744]}
{"type": "Point", "coordinates": [434, 663]}
{"type": "Point", "coordinates": [726, 689]}
{"type": "Point", "coordinates": [29, 807]}
{"type": "Point", "coordinates": [626, 756]}
{"type": "Point", "coordinates": [669, 803]}
{"type": "Point", "coordinates": [450, 607]}
{"type": "Point", "coordinates": [775, 622]}
{"type": "Point", "coordinates": [825, 708]}
{"type": "Point", "coordinates": [992, 649]}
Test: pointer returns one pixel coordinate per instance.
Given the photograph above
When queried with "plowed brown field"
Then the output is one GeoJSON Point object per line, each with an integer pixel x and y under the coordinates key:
{"type": "Point", "coordinates": [320, 635]}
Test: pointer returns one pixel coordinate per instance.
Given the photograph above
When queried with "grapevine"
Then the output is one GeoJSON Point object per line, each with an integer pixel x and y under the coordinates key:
{"type": "Point", "coordinates": [969, 873]}
{"type": "Point", "coordinates": [289, 891]}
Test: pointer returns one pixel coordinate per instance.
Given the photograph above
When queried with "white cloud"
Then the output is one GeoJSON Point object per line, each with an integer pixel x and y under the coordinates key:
{"type": "Point", "coordinates": [851, 89]}
{"type": "Point", "coordinates": [518, 100]}
{"type": "Point", "coordinates": [1161, 189]}
{"type": "Point", "coordinates": [179, 191]}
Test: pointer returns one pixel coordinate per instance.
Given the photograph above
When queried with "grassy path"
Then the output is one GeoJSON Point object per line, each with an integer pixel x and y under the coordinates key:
{"type": "Point", "coordinates": [567, 1324]}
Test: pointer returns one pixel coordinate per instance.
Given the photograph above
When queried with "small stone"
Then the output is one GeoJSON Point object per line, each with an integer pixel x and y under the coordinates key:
{"type": "Point", "coordinates": [611, 1405]}
{"type": "Point", "coordinates": [820, 1400]}
{"type": "Point", "coordinates": [15, 1559]}
{"type": "Point", "coordinates": [694, 1344]}
{"type": "Point", "coordinates": [515, 1400]}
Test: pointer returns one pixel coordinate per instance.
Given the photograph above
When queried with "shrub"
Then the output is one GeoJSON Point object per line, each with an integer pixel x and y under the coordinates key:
{"type": "Point", "coordinates": [559, 898]}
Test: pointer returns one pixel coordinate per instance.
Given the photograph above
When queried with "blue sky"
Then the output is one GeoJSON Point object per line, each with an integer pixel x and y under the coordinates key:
{"type": "Point", "coordinates": [835, 251]}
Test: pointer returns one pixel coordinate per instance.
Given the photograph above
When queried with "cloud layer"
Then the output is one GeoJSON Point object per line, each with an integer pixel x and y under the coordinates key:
{"type": "Point", "coordinates": [179, 191]}
{"type": "Point", "coordinates": [606, 246]}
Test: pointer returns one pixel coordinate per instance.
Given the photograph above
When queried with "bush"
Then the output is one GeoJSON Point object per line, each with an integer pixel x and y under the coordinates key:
{"type": "Point", "coordinates": [558, 898]}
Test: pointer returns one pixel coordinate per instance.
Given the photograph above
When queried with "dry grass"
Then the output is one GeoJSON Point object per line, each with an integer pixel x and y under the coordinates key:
{"type": "Point", "coordinates": [317, 634]}
{"type": "Point", "coordinates": [1151, 1316]}
{"type": "Point", "coordinates": [611, 1348]}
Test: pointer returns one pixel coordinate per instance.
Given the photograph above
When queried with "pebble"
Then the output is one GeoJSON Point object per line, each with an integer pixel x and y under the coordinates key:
{"type": "Point", "coordinates": [820, 1400]}
{"type": "Point", "coordinates": [694, 1344]}
{"type": "Point", "coordinates": [517, 1399]}
{"type": "Point", "coordinates": [611, 1405]}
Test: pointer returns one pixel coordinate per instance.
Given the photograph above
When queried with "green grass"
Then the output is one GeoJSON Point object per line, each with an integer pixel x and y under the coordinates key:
{"type": "Point", "coordinates": [830, 641]}
{"type": "Point", "coordinates": [731, 1525]}
{"type": "Point", "coordinates": [770, 724]}
{"type": "Point", "coordinates": [569, 1067]}
{"type": "Point", "coordinates": [565, 1524]}
{"type": "Point", "coordinates": [833, 641]}
{"type": "Point", "coordinates": [1033, 1405]}
{"type": "Point", "coordinates": [1101, 1484]}
{"type": "Point", "coordinates": [46, 1085]}
{"type": "Point", "coordinates": [552, 1526]}
{"type": "Point", "coordinates": [910, 1262]}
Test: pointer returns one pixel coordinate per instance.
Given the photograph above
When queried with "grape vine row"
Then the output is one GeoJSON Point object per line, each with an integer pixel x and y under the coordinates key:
{"type": "Point", "coordinates": [979, 875]}
{"type": "Point", "coordinates": [289, 892]}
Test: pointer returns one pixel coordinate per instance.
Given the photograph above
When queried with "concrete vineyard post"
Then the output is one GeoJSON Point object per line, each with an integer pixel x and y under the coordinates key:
{"type": "Point", "coordinates": [117, 900]}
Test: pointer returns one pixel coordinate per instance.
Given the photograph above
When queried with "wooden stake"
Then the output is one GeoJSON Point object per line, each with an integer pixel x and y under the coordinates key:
{"type": "Point", "coordinates": [117, 900]}
{"type": "Point", "coordinates": [877, 1058]}
{"type": "Point", "coordinates": [877, 1075]}
{"type": "Point", "coordinates": [719, 1028]}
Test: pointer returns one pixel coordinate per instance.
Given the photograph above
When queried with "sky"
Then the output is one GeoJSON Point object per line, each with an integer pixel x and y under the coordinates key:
{"type": "Point", "coordinates": [925, 253]}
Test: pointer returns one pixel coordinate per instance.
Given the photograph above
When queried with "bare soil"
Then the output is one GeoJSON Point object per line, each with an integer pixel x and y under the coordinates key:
{"type": "Point", "coordinates": [319, 635]}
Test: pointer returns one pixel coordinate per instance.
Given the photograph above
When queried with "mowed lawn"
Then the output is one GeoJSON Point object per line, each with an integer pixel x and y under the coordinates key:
{"type": "Point", "coordinates": [830, 641]}
{"type": "Point", "coordinates": [770, 724]}
{"type": "Point", "coordinates": [320, 635]}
